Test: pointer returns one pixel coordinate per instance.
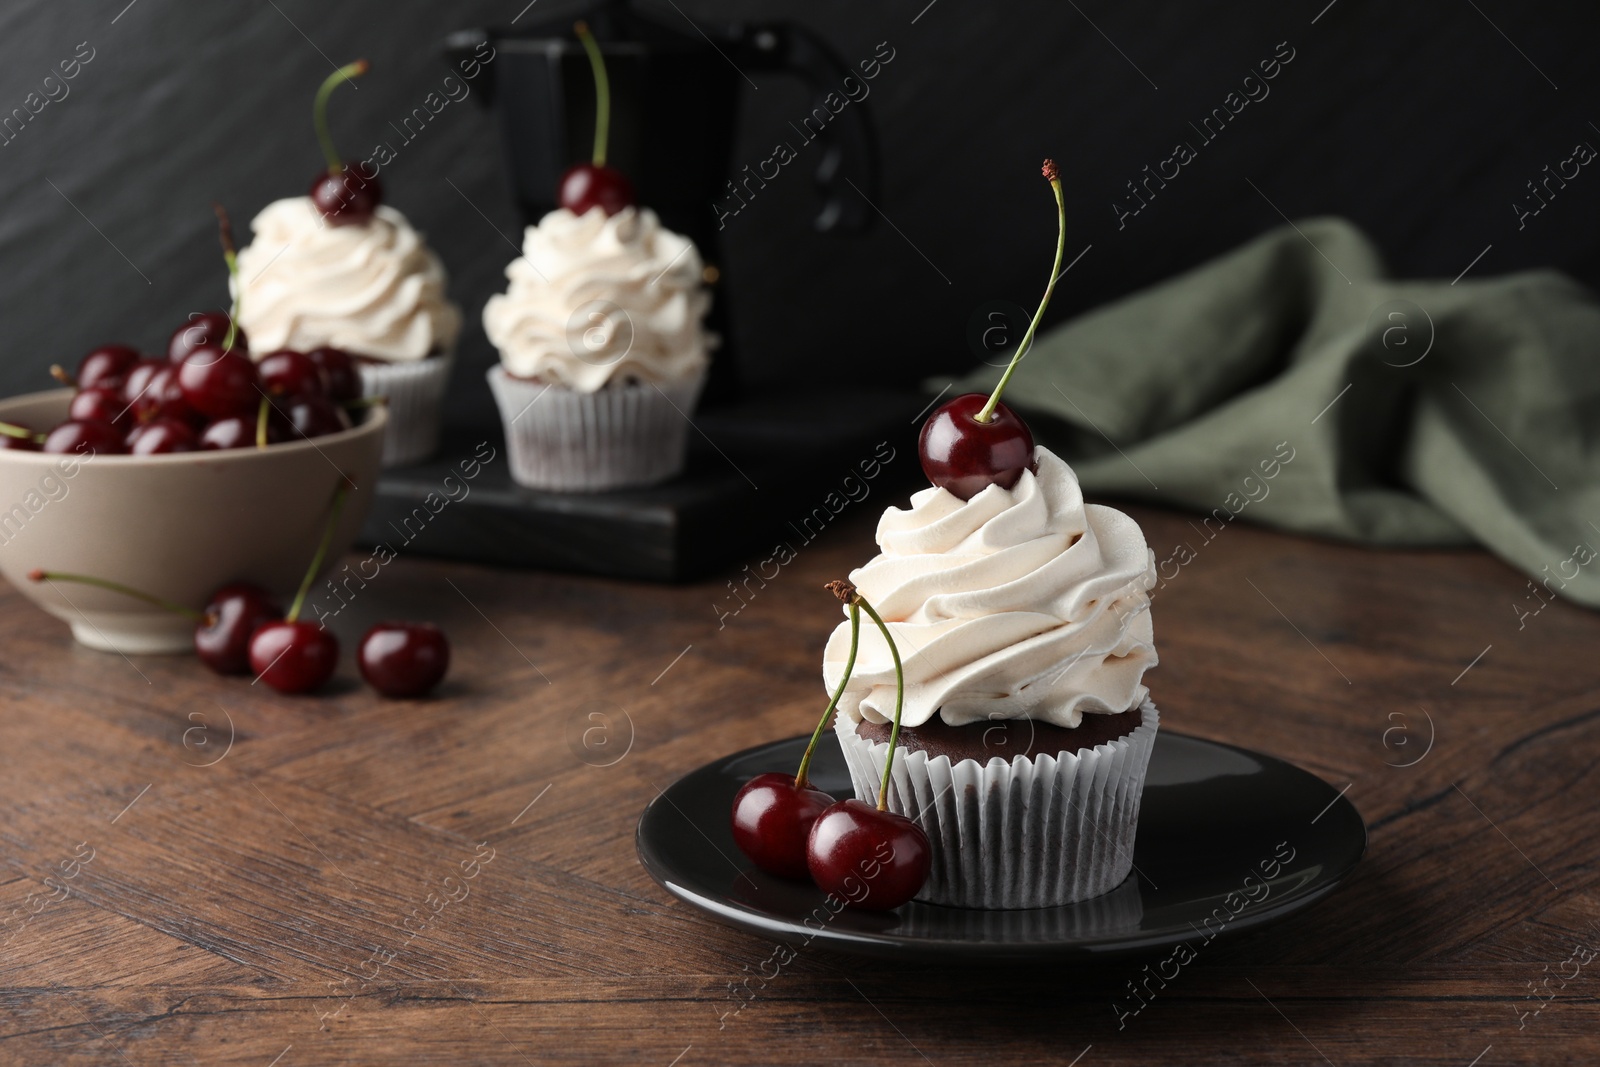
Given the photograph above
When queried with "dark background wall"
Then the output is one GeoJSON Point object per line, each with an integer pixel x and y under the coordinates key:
{"type": "Point", "coordinates": [1420, 122]}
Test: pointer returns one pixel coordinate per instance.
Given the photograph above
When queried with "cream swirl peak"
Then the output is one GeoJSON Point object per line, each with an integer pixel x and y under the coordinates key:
{"type": "Point", "coordinates": [1021, 603]}
{"type": "Point", "coordinates": [374, 289]}
{"type": "Point", "coordinates": [596, 299]}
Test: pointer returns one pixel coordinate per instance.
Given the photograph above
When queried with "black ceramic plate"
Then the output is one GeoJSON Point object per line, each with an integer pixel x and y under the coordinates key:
{"type": "Point", "coordinates": [1229, 840]}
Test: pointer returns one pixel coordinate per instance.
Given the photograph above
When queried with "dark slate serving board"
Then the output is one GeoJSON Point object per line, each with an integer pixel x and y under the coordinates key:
{"type": "Point", "coordinates": [761, 473]}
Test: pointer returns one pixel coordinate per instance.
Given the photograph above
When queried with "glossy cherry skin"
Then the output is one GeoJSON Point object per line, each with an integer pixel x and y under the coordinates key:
{"type": "Point", "coordinates": [85, 437]}
{"type": "Point", "coordinates": [237, 431]}
{"type": "Point", "coordinates": [232, 616]}
{"type": "Point", "coordinates": [874, 859]}
{"type": "Point", "coordinates": [293, 657]}
{"type": "Point", "coordinates": [100, 403]}
{"type": "Point", "coordinates": [347, 198]}
{"type": "Point", "coordinates": [343, 380]}
{"type": "Point", "coordinates": [290, 373]}
{"type": "Point", "coordinates": [403, 659]}
{"type": "Point", "coordinates": [138, 378]}
{"type": "Point", "coordinates": [772, 823]}
{"type": "Point", "coordinates": [218, 383]}
{"type": "Point", "coordinates": [106, 365]}
{"type": "Point", "coordinates": [17, 444]}
{"type": "Point", "coordinates": [203, 328]}
{"type": "Point", "coordinates": [312, 416]}
{"type": "Point", "coordinates": [966, 456]}
{"type": "Point", "coordinates": [585, 186]}
{"type": "Point", "coordinates": [162, 435]}
{"type": "Point", "coordinates": [161, 398]}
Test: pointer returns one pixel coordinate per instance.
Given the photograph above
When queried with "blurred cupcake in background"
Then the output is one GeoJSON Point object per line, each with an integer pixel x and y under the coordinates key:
{"type": "Point", "coordinates": [603, 350]}
{"type": "Point", "coordinates": [371, 288]}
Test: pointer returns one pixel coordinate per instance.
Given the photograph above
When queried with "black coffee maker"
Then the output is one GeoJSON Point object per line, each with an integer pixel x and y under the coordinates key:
{"type": "Point", "coordinates": [676, 85]}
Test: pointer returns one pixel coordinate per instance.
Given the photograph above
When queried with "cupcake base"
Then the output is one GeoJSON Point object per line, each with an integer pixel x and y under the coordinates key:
{"type": "Point", "coordinates": [415, 392]}
{"type": "Point", "coordinates": [1032, 832]}
{"type": "Point", "coordinates": [617, 437]}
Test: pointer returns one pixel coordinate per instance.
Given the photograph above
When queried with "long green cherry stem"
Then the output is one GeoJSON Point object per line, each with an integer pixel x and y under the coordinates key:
{"type": "Point", "coordinates": [849, 667]}
{"type": "Point", "coordinates": [602, 92]}
{"type": "Point", "coordinates": [230, 256]}
{"type": "Point", "coordinates": [261, 421]}
{"type": "Point", "coordinates": [339, 496]}
{"type": "Point", "coordinates": [115, 587]}
{"type": "Point", "coordinates": [850, 595]}
{"type": "Point", "coordinates": [319, 109]}
{"type": "Point", "coordinates": [1054, 177]}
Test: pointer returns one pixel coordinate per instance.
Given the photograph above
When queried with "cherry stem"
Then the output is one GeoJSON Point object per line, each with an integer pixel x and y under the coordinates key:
{"type": "Point", "coordinates": [59, 373]}
{"type": "Point", "coordinates": [115, 587]}
{"type": "Point", "coordinates": [602, 92]}
{"type": "Point", "coordinates": [319, 109]}
{"type": "Point", "coordinates": [849, 667]}
{"type": "Point", "coordinates": [261, 421]}
{"type": "Point", "coordinates": [899, 699]}
{"type": "Point", "coordinates": [13, 430]}
{"type": "Point", "coordinates": [230, 255]}
{"type": "Point", "coordinates": [339, 495]}
{"type": "Point", "coordinates": [1054, 176]}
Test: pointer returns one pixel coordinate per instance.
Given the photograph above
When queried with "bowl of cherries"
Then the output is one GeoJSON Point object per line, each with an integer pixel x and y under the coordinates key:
{"type": "Point", "coordinates": [178, 473]}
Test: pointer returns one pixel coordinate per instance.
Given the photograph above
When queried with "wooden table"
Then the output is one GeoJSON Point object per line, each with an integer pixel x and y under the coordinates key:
{"type": "Point", "coordinates": [357, 881]}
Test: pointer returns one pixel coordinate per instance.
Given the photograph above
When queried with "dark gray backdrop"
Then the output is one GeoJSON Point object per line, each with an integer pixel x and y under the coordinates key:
{"type": "Point", "coordinates": [1423, 125]}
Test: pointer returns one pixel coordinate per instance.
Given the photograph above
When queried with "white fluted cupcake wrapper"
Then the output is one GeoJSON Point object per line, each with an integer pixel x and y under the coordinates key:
{"type": "Point", "coordinates": [1026, 833]}
{"type": "Point", "coordinates": [616, 437]}
{"type": "Point", "coordinates": [415, 392]}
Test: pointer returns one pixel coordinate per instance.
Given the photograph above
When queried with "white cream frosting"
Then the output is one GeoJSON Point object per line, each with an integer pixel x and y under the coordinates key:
{"type": "Point", "coordinates": [596, 299]}
{"type": "Point", "coordinates": [1019, 603]}
{"type": "Point", "coordinates": [373, 288]}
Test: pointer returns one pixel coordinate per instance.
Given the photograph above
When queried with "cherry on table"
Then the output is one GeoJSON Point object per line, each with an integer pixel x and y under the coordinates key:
{"type": "Point", "coordinates": [228, 622]}
{"type": "Point", "coordinates": [84, 436]}
{"type": "Point", "coordinates": [106, 366]}
{"type": "Point", "coordinates": [403, 659]}
{"type": "Point", "coordinates": [293, 657]}
{"type": "Point", "coordinates": [772, 822]}
{"type": "Point", "coordinates": [162, 435]}
{"type": "Point", "coordinates": [348, 197]}
{"type": "Point", "coordinates": [312, 416]}
{"type": "Point", "coordinates": [586, 186]}
{"type": "Point", "coordinates": [874, 859]}
{"type": "Point", "coordinates": [203, 328]}
{"type": "Point", "coordinates": [218, 382]}
{"type": "Point", "coordinates": [343, 380]}
{"type": "Point", "coordinates": [100, 403]}
{"type": "Point", "coordinates": [966, 456]}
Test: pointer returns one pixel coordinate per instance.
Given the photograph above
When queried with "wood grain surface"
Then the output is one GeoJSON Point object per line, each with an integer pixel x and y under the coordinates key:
{"type": "Point", "coordinates": [454, 881]}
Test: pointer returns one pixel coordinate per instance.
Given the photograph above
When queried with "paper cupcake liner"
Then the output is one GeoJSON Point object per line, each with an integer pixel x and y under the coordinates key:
{"type": "Point", "coordinates": [415, 392]}
{"type": "Point", "coordinates": [622, 435]}
{"type": "Point", "coordinates": [1026, 833]}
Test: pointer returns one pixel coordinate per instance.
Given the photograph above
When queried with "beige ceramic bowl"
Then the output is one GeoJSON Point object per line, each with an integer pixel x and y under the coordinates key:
{"type": "Point", "coordinates": [178, 526]}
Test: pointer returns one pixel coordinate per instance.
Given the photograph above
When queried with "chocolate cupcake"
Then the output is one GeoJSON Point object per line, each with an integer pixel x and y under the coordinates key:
{"type": "Point", "coordinates": [1024, 617]}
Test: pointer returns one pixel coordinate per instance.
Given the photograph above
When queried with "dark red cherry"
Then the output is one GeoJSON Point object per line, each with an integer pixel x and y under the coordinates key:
{"type": "Point", "coordinates": [106, 365]}
{"type": "Point", "coordinates": [231, 618]}
{"type": "Point", "coordinates": [138, 378]}
{"type": "Point", "coordinates": [162, 435]}
{"type": "Point", "coordinates": [203, 328]}
{"type": "Point", "coordinates": [312, 416]}
{"type": "Point", "coordinates": [874, 859]}
{"type": "Point", "coordinates": [18, 444]}
{"type": "Point", "coordinates": [966, 456]}
{"type": "Point", "coordinates": [289, 373]}
{"type": "Point", "coordinates": [85, 437]}
{"type": "Point", "coordinates": [772, 822]}
{"type": "Point", "coordinates": [347, 198]}
{"type": "Point", "coordinates": [219, 383]}
{"type": "Point", "coordinates": [585, 185]}
{"type": "Point", "coordinates": [403, 659]}
{"type": "Point", "coordinates": [100, 403]}
{"type": "Point", "coordinates": [238, 431]}
{"type": "Point", "coordinates": [161, 397]}
{"type": "Point", "coordinates": [340, 373]}
{"type": "Point", "coordinates": [293, 657]}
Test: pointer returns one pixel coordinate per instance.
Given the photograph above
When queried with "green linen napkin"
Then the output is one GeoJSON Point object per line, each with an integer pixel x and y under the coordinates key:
{"type": "Point", "coordinates": [1291, 383]}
